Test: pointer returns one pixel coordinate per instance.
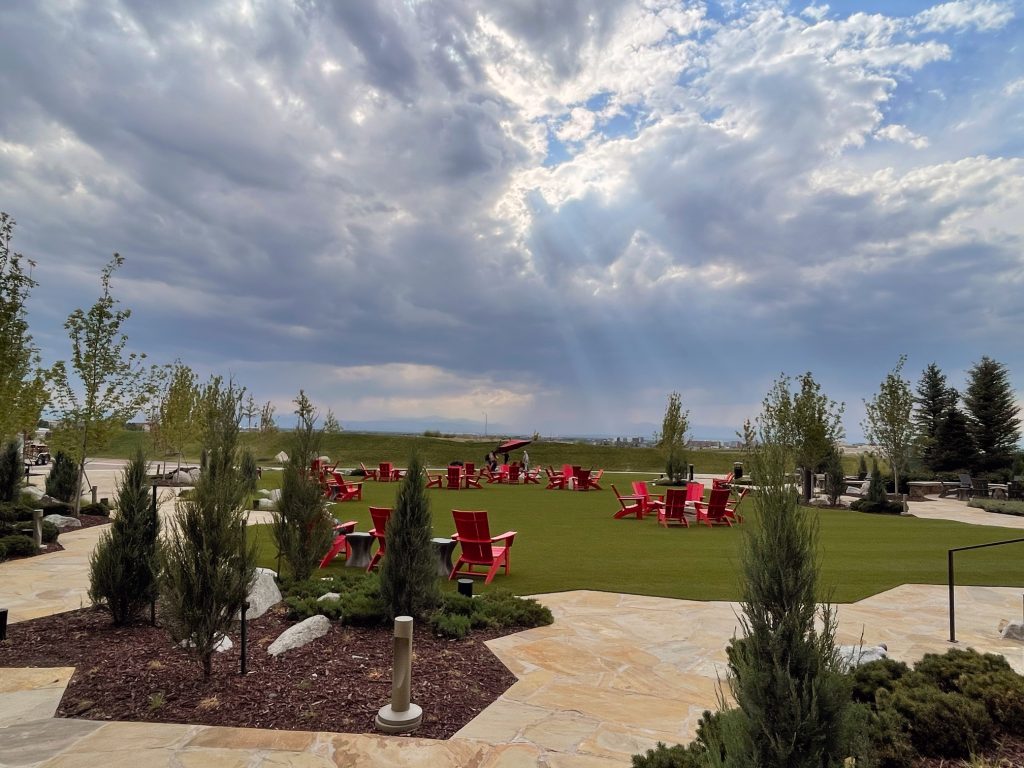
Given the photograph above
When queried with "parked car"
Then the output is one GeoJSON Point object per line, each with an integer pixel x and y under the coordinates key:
{"type": "Point", "coordinates": [37, 453]}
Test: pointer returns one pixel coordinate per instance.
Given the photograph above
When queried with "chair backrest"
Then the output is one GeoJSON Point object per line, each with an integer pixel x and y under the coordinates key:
{"type": "Point", "coordinates": [640, 488]}
{"type": "Point", "coordinates": [513, 473]}
{"type": "Point", "coordinates": [380, 517]}
{"type": "Point", "coordinates": [454, 476]}
{"type": "Point", "coordinates": [965, 481]}
{"type": "Point", "coordinates": [385, 469]}
{"type": "Point", "coordinates": [339, 478]}
{"type": "Point", "coordinates": [694, 491]}
{"type": "Point", "coordinates": [717, 501]}
{"type": "Point", "coordinates": [977, 484]}
{"type": "Point", "coordinates": [503, 470]}
{"type": "Point", "coordinates": [470, 467]}
{"type": "Point", "coordinates": [567, 471]}
{"type": "Point", "coordinates": [675, 501]}
{"type": "Point", "coordinates": [474, 535]}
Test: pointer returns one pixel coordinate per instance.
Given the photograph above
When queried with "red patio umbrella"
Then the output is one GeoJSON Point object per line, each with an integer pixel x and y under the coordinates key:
{"type": "Point", "coordinates": [512, 445]}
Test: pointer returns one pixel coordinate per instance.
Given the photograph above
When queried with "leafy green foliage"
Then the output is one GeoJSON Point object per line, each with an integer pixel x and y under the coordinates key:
{"type": "Point", "coordinates": [123, 567]}
{"type": "Point", "coordinates": [22, 382]}
{"type": "Point", "coordinates": [408, 573]}
{"type": "Point", "coordinates": [672, 441]}
{"type": "Point", "coordinates": [10, 471]}
{"type": "Point", "coordinates": [62, 483]}
{"type": "Point", "coordinates": [302, 525]}
{"type": "Point", "coordinates": [993, 412]}
{"type": "Point", "coordinates": [176, 416]}
{"type": "Point", "coordinates": [1000, 506]}
{"type": "Point", "coordinates": [888, 424]}
{"type": "Point", "coordinates": [207, 563]}
{"type": "Point", "coordinates": [18, 546]}
{"type": "Point", "coordinates": [112, 386]}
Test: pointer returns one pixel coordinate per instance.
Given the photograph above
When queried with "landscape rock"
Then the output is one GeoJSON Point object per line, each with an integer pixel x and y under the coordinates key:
{"type": "Point", "coordinates": [302, 633]}
{"type": "Point", "coordinates": [852, 656]}
{"type": "Point", "coordinates": [329, 596]}
{"type": "Point", "coordinates": [35, 493]}
{"type": "Point", "coordinates": [1014, 630]}
{"type": "Point", "coordinates": [282, 457]}
{"type": "Point", "coordinates": [224, 644]}
{"type": "Point", "coordinates": [263, 594]}
{"type": "Point", "coordinates": [63, 521]}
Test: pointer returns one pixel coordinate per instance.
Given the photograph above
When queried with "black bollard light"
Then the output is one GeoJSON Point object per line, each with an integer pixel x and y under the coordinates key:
{"type": "Point", "coordinates": [245, 607]}
{"type": "Point", "coordinates": [3, 624]}
{"type": "Point", "coordinates": [466, 587]}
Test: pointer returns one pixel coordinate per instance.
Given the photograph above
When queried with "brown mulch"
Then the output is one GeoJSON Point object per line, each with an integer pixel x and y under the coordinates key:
{"type": "Point", "coordinates": [336, 683]}
{"type": "Point", "coordinates": [1007, 753]}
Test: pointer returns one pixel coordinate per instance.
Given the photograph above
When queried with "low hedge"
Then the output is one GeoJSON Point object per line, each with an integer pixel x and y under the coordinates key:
{"type": "Point", "coordinates": [1000, 506]}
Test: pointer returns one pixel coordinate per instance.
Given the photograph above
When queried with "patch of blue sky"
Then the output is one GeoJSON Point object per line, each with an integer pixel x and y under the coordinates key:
{"type": "Point", "coordinates": [841, 9]}
{"type": "Point", "coordinates": [558, 151]}
{"type": "Point", "coordinates": [624, 124]}
{"type": "Point", "coordinates": [598, 101]}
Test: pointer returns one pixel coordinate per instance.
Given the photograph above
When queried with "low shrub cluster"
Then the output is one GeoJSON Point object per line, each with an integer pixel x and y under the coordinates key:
{"type": "Point", "coordinates": [1001, 506]}
{"type": "Point", "coordinates": [16, 522]}
{"type": "Point", "coordinates": [949, 706]}
{"type": "Point", "coordinates": [16, 546]}
{"type": "Point", "coordinates": [359, 604]}
{"type": "Point", "coordinates": [877, 507]}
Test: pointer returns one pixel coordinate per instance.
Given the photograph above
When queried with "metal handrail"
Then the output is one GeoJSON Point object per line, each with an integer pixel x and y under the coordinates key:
{"type": "Point", "coordinates": [949, 556]}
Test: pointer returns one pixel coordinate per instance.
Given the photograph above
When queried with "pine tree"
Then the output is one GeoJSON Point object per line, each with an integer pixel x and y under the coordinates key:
{"type": "Point", "coordinates": [954, 448]}
{"type": "Point", "coordinates": [62, 482]}
{"type": "Point", "coordinates": [207, 563]}
{"type": "Point", "coordinates": [10, 471]}
{"type": "Point", "coordinates": [992, 414]}
{"type": "Point", "coordinates": [123, 567]}
{"type": "Point", "coordinates": [408, 573]}
{"type": "Point", "coordinates": [302, 526]}
{"type": "Point", "coordinates": [934, 399]}
{"type": "Point", "coordinates": [876, 494]}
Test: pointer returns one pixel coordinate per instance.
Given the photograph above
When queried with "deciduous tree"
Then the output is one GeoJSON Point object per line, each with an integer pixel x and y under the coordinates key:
{"type": "Point", "coordinates": [888, 423]}
{"type": "Point", "coordinates": [112, 386]}
{"type": "Point", "coordinates": [672, 441]}
{"type": "Point", "coordinates": [177, 410]}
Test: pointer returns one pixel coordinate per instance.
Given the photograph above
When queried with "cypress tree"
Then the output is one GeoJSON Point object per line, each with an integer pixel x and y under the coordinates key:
{"type": "Point", "coordinates": [10, 471]}
{"type": "Point", "coordinates": [408, 573]}
{"type": "Point", "coordinates": [954, 448]}
{"type": "Point", "coordinates": [63, 478]}
{"type": "Point", "coordinates": [302, 526]}
{"type": "Point", "coordinates": [207, 564]}
{"type": "Point", "coordinates": [992, 414]}
{"type": "Point", "coordinates": [124, 565]}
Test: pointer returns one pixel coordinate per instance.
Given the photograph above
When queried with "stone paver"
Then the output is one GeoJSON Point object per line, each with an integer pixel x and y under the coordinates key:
{"type": "Point", "coordinates": [614, 675]}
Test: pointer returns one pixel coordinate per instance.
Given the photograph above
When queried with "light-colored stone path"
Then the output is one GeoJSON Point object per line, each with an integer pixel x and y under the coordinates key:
{"type": "Point", "coordinates": [612, 676]}
{"type": "Point", "coordinates": [935, 508]}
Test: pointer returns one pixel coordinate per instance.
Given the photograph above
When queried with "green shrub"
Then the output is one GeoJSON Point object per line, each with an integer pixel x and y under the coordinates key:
{"type": "Point", "coordinates": [3, 549]}
{"type": "Point", "coordinates": [450, 624]}
{"type": "Point", "coordinates": [11, 471]}
{"type": "Point", "coordinates": [19, 546]}
{"type": "Point", "coordinates": [300, 608]}
{"type": "Point", "coordinates": [50, 531]}
{"type": "Point", "coordinates": [999, 506]}
{"type": "Point", "coordinates": [987, 678]}
{"type": "Point", "coordinates": [99, 509]}
{"type": "Point", "coordinates": [869, 678]}
{"type": "Point", "coordinates": [887, 732]}
{"type": "Point", "coordinates": [942, 724]}
{"type": "Point", "coordinates": [55, 508]}
{"type": "Point", "coordinates": [504, 609]}
{"type": "Point", "coordinates": [359, 605]}
{"type": "Point", "coordinates": [877, 507]}
{"type": "Point", "coordinates": [62, 482]}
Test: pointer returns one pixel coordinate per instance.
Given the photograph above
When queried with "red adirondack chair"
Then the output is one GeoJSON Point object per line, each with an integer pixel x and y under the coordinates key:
{"type": "Point", "coordinates": [556, 481]}
{"type": "Point", "coordinates": [694, 491]}
{"type": "Point", "coordinates": [675, 508]}
{"type": "Point", "coordinates": [339, 542]}
{"type": "Point", "coordinates": [513, 474]}
{"type": "Point", "coordinates": [722, 482]}
{"type": "Point", "coordinates": [714, 511]}
{"type": "Point", "coordinates": [531, 476]}
{"type": "Point", "coordinates": [370, 474]}
{"type": "Point", "coordinates": [631, 505]}
{"type": "Point", "coordinates": [594, 481]}
{"type": "Point", "coordinates": [652, 501]}
{"type": "Point", "coordinates": [478, 546]}
{"type": "Point", "coordinates": [434, 481]}
{"type": "Point", "coordinates": [730, 509]}
{"type": "Point", "coordinates": [345, 491]}
{"type": "Point", "coordinates": [380, 517]}
{"type": "Point", "coordinates": [454, 477]}
{"type": "Point", "coordinates": [385, 472]}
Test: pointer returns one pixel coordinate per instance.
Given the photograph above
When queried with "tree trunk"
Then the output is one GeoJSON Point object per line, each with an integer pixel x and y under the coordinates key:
{"type": "Point", "coordinates": [207, 665]}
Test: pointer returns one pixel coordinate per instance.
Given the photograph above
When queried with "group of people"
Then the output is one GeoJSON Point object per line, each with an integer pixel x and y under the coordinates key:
{"type": "Point", "coordinates": [491, 460]}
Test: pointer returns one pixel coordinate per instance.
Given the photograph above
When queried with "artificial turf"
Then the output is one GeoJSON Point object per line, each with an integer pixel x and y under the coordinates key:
{"type": "Point", "coordinates": [569, 540]}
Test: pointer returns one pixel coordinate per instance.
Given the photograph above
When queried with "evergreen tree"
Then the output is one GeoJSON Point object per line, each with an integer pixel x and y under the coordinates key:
{"type": "Point", "coordinates": [992, 414]}
{"type": "Point", "coordinates": [10, 471]}
{"type": "Point", "coordinates": [331, 425]}
{"type": "Point", "coordinates": [862, 467]}
{"type": "Point", "coordinates": [934, 398]}
{"type": "Point", "coordinates": [408, 573]}
{"type": "Point", "coordinates": [876, 487]}
{"type": "Point", "coordinates": [835, 479]}
{"type": "Point", "coordinates": [62, 482]}
{"type": "Point", "coordinates": [784, 671]}
{"type": "Point", "coordinates": [123, 567]}
{"type": "Point", "coordinates": [207, 563]}
{"type": "Point", "coordinates": [954, 448]}
{"type": "Point", "coordinates": [302, 526]}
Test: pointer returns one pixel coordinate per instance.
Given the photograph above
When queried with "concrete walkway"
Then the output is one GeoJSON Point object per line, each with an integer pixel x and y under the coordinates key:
{"type": "Point", "coordinates": [612, 676]}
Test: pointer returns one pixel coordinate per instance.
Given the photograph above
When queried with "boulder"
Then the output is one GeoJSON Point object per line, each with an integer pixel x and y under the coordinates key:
{"type": "Point", "coordinates": [302, 633]}
{"type": "Point", "coordinates": [263, 594]}
{"type": "Point", "coordinates": [282, 457]}
{"type": "Point", "coordinates": [63, 521]}
{"type": "Point", "coordinates": [1014, 630]}
{"type": "Point", "coordinates": [329, 596]}
{"type": "Point", "coordinates": [35, 493]}
{"type": "Point", "coordinates": [224, 644]}
{"type": "Point", "coordinates": [852, 656]}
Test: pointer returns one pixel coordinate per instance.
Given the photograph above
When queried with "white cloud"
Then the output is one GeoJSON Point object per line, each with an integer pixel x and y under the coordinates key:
{"type": "Point", "coordinates": [965, 14]}
{"type": "Point", "coordinates": [902, 135]}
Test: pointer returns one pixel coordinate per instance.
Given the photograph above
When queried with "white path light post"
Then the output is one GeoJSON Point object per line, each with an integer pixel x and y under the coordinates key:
{"type": "Point", "coordinates": [401, 715]}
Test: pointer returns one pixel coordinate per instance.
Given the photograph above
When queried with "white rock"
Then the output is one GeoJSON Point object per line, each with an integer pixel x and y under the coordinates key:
{"type": "Point", "coordinates": [35, 493]}
{"type": "Point", "coordinates": [851, 656]}
{"type": "Point", "coordinates": [329, 596]}
{"type": "Point", "coordinates": [222, 645]}
{"type": "Point", "coordinates": [282, 457]}
{"type": "Point", "coordinates": [263, 594]}
{"type": "Point", "coordinates": [263, 493]}
{"type": "Point", "coordinates": [275, 495]}
{"type": "Point", "coordinates": [1014, 630]}
{"type": "Point", "coordinates": [63, 521]}
{"type": "Point", "coordinates": [302, 633]}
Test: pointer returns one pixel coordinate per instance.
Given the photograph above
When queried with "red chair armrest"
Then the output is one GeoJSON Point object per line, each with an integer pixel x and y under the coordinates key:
{"type": "Point", "coordinates": [507, 535]}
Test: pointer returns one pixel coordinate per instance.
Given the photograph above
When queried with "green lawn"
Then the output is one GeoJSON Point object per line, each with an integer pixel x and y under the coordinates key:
{"type": "Point", "coordinates": [568, 540]}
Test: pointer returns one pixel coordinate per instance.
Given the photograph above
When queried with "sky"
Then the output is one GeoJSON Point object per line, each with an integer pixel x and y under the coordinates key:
{"type": "Point", "coordinates": [530, 215]}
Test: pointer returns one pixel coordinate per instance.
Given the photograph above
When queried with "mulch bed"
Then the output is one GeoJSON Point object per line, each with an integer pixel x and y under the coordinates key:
{"type": "Point", "coordinates": [336, 683]}
{"type": "Point", "coordinates": [88, 521]}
